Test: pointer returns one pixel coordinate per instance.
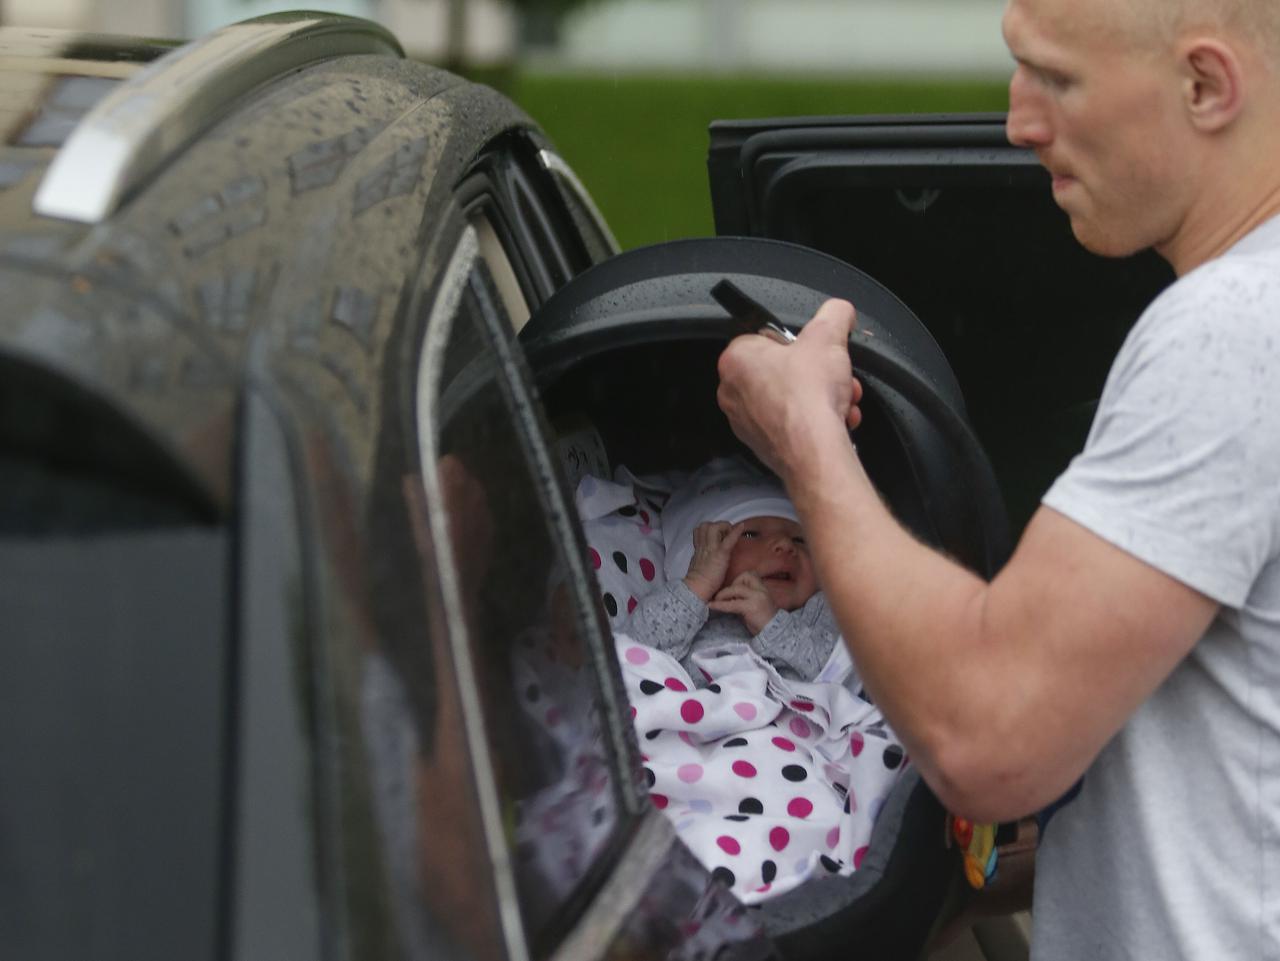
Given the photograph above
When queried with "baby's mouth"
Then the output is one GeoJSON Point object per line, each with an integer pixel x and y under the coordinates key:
{"type": "Point", "coordinates": [777, 576]}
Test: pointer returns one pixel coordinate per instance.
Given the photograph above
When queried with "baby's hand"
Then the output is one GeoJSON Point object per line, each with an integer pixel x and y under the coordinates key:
{"type": "Point", "coordinates": [712, 544]}
{"type": "Point", "coordinates": [749, 599]}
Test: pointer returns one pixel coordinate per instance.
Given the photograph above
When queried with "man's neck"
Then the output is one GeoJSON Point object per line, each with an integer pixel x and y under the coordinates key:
{"type": "Point", "coordinates": [1239, 201]}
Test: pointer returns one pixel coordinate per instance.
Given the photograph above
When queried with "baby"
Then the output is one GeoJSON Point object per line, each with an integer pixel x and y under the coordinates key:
{"type": "Point", "coordinates": [738, 570]}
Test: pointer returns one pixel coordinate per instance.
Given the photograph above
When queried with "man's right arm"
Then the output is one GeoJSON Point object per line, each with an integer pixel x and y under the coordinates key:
{"type": "Point", "coordinates": [1002, 692]}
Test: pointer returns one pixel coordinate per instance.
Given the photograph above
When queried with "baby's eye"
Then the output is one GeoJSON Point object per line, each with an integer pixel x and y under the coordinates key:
{"type": "Point", "coordinates": [750, 535]}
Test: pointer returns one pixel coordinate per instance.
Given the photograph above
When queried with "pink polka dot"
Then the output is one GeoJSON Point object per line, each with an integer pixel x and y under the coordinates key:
{"type": "Point", "coordinates": [800, 727]}
{"type": "Point", "coordinates": [779, 838]}
{"type": "Point", "coordinates": [858, 855]}
{"type": "Point", "coordinates": [684, 736]}
{"type": "Point", "coordinates": [728, 845]}
{"type": "Point", "coordinates": [553, 716]}
{"type": "Point", "coordinates": [660, 801]}
{"type": "Point", "coordinates": [856, 743]}
{"type": "Point", "coordinates": [689, 773]}
{"type": "Point", "coordinates": [782, 744]}
{"type": "Point", "coordinates": [647, 570]}
{"type": "Point", "coordinates": [646, 530]}
{"type": "Point", "coordinates": [633, 713]}
{"type": "Point", "coordinates": [833, 838]}
{"type": "Point", "coordinates": [672, 684]}
{"type": "Point", "coordinates": [631, 604]}
{"type": "Point", "coordinates": [744, 769]}
{"type": "Point", "coordinates": [805, 706]}
{"type": "Point", "coordinates": [691, 711]}
{"type": "Point", "coordinates": [637, 655]}
{"type": "Point", "coordinates": [800, 807]}
{"type": "Point", "coordinates": [762, 890]}
{"type": "Point", "coordinates": [745, 711]}
{"type": "Point", "coordinates": [595, 558]}
{"type": "Point", "coordinates": [644, 516]}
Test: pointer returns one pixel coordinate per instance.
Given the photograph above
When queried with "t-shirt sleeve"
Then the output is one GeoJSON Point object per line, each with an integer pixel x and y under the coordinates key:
{"type": "Point", "coordinates": [1182, 465]}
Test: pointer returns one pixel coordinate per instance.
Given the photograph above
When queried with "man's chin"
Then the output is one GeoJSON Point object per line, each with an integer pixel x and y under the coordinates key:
{"type": "Point", "coordinates": [1102, 242]}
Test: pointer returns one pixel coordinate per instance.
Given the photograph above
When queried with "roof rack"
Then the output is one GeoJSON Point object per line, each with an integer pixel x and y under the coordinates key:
{"type": "Point", "coordinates": [137, 128]}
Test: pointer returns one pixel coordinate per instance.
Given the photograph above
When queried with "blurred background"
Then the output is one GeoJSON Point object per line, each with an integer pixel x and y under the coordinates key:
{"type": "Point", "coordinates": [626, 88]}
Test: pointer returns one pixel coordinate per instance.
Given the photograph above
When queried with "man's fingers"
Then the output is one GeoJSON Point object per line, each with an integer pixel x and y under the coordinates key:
{"type": "Point", "coordinates": [833, 322]}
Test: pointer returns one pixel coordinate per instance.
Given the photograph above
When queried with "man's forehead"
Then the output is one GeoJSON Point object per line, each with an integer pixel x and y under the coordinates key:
{"type": "Point", "coordinates": [1037, 25]}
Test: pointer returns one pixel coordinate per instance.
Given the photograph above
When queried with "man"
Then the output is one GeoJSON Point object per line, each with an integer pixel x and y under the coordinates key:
{"type": "Point", "coordinates": [1135, 632]}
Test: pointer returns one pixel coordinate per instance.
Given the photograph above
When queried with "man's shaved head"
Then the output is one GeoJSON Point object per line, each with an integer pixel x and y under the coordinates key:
{"type": "Point", "coordinates": [1159, 20]}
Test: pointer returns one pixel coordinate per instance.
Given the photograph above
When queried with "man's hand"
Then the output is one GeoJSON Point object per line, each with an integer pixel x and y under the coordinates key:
{"type": "Point", "coordinates": [783, 400]}
{"type": "Point", "coordinates": [747, 597]}
{"type": "Point", "coordinates": [712, 544]}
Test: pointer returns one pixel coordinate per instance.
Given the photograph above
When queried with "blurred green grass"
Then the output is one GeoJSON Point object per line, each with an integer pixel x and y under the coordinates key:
{"type": "Point", "coordinates": [639, 142]}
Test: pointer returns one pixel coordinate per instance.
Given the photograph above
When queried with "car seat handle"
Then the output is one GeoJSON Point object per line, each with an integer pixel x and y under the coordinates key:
{"type": "Point", "coordinates": [871, 361]}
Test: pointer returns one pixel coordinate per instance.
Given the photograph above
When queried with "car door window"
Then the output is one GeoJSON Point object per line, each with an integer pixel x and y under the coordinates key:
{"type": "Point", "coordinates": [528, 641]}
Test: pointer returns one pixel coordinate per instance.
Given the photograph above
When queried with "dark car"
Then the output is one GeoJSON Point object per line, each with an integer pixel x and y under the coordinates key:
{"type": "Point", "coordinates": [291, 329]}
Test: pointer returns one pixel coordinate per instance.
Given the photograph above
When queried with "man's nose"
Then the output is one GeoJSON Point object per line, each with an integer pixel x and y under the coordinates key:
{"type": "Point", "coordinates": [1027, 124]}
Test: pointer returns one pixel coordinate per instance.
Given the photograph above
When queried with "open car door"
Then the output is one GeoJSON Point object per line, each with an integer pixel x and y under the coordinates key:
{"type": "Point", "coordinates": [631, 345]}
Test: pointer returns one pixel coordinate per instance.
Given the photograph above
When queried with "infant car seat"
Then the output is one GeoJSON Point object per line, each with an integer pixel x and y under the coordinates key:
{"type": "Point", "coordinates": [632, 344]}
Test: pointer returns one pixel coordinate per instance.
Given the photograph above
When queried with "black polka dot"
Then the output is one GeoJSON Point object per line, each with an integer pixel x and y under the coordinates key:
{"type": "Point", "coordinates": [829, 864]}
{"type": "Point", "coordinates": [650, 687]}
{"type": "Point", "coordinates": [532, 693]}
{"type": "Point", "coordinates": [627, 511]}
{"type": "Point", "coordinates": [620, 559]}
{"type": "Point", "coordinates": [649, 777]}
{"type": "Point", "coordinates": [846, 806]}
{"type": "Point", "coordinates": [840, 788]}
{"type": "Point", "coordinates": [650, 735]}
{"type": "Point", "coordinates": [892, 756]}
{"type": "Point", "coordinates": [750, 806]}
{"type": "Point", "coordinates": [768, 871]}
{"type": "Point", "coordinates": [794, 772]}
{"type": "Point", "coordinates": [736, 742]}
{"type": "Point", "coordinates": [736, 817]}
{"type": "Point", "coordinates": [611, 605]}
{"type": "Point", "coordinates": [597, 816]}
{"type": "Point", "coordinates": [724, 876]}
{"type": "Point", "coordinates": [713, 688]}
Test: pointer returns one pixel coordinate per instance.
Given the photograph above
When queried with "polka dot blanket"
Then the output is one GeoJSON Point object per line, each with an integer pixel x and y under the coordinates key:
{"type": "Point", "coordinates": [769, 782]}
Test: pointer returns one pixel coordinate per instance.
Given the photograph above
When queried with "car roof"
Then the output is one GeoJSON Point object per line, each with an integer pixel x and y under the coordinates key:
{"type": "Point", "coordinates": [149, 314]}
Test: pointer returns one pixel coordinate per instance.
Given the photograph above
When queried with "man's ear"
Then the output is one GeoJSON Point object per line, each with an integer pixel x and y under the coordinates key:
{"type": "Point", "coordinates": [1212, 83]}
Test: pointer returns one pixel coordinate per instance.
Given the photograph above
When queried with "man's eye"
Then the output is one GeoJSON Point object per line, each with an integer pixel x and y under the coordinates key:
{"type": "Point", "coordinates": [1054, 81]}
{"type": "Point", "coordinates": [800, 541]}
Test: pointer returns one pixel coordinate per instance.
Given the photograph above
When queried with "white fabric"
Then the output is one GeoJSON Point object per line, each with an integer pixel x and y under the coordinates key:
{"type": "Point", "coordinates": [1172, 849]}
{"type": "Point", "coordinates": [769, 782]}
{"type": "Point", "coordinates": [623, 530]}
{"type": "Point", "coordinates": [726, 489]}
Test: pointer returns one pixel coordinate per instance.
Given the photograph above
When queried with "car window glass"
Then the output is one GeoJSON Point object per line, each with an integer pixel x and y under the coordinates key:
{"type": "Point", "coordinates": [501, 270]}
{"type": "Point", "coordinates": [587, 220]}
{"type": "Point", "coordinates": [552, 747]}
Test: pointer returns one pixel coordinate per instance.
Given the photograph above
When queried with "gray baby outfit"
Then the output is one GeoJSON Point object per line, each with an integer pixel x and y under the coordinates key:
{"type": "Point", "coordinates": [677, 622]}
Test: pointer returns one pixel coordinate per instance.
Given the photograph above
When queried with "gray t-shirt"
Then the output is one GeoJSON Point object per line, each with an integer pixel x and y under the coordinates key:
{"type": "Point", "coordinates": [1172, 849]}
{"type": "Point", "coordinates": [676, 621]}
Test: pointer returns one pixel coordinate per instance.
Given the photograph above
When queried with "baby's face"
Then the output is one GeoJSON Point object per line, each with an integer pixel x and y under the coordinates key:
{"type": "Point", "coordinates": [774, 548]}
